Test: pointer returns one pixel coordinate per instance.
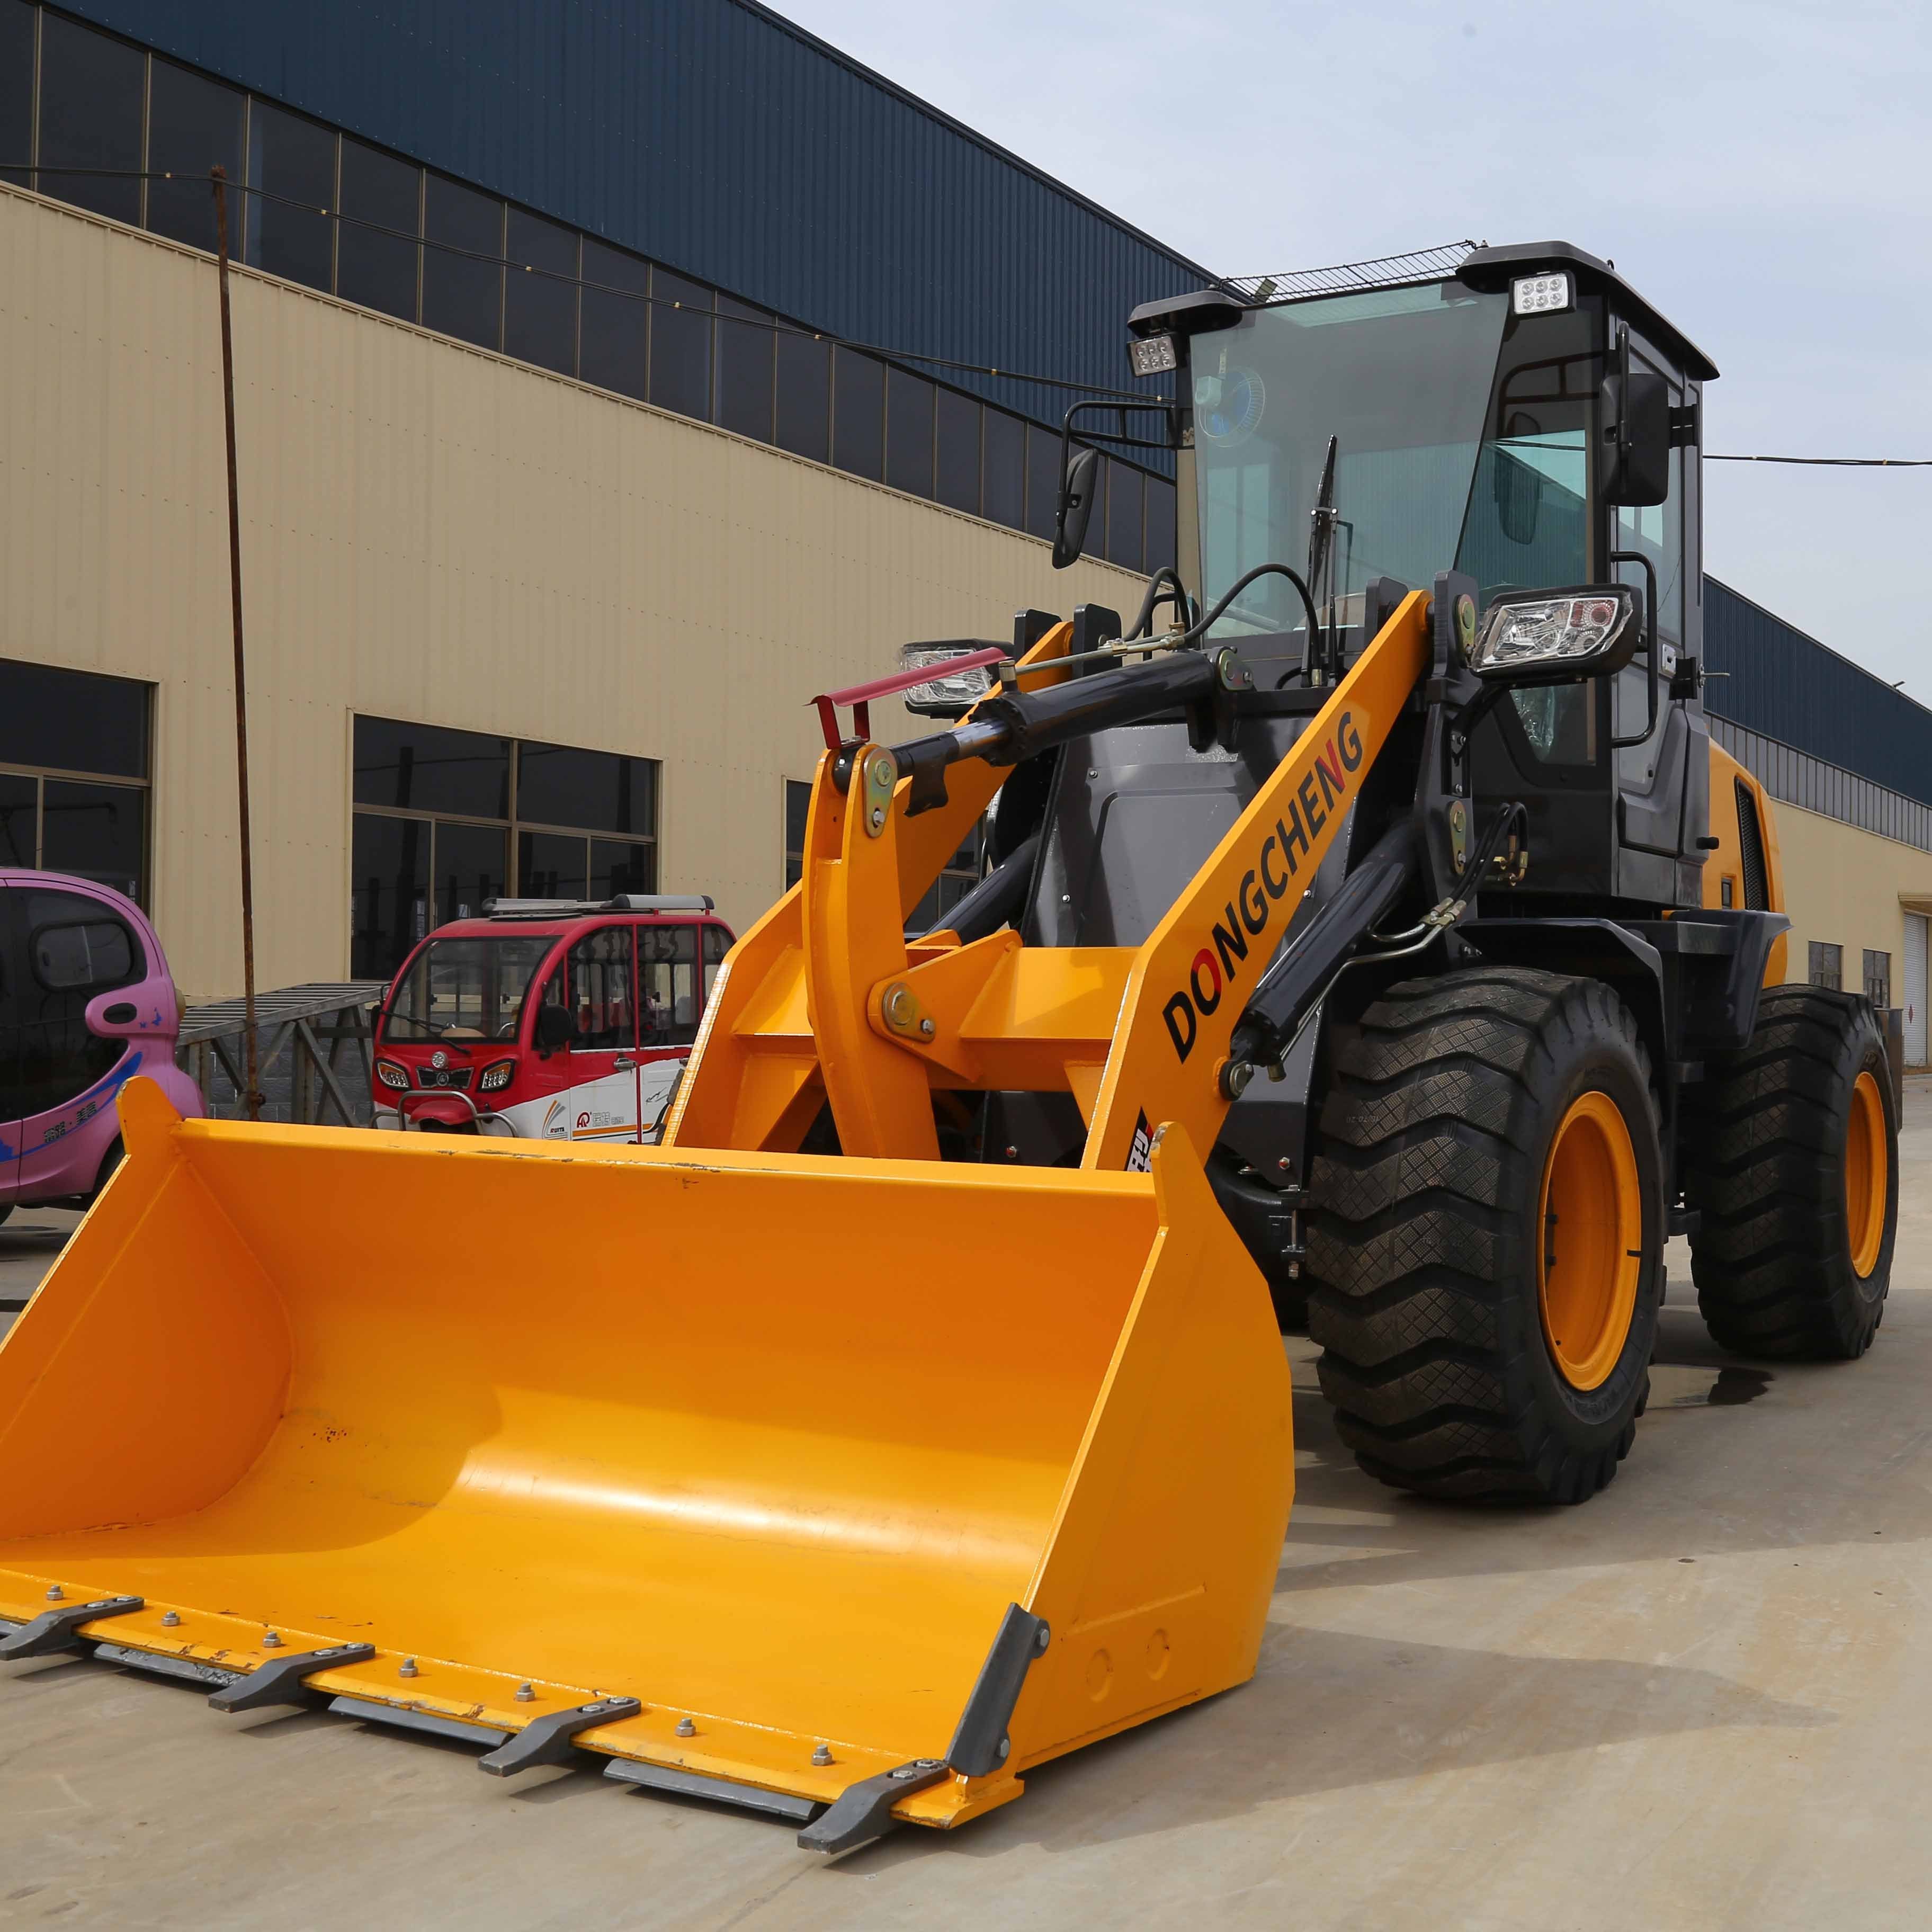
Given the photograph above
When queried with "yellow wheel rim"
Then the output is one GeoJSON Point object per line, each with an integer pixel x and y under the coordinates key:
{"type": "Point", "coordinates": [1590, 1241]}
{"type": "Point", "coordinates": [1867, 1175]}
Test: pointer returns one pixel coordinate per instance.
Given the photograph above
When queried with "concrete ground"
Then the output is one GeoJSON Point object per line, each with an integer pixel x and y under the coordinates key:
{"type": "Point", "coordinates": [1703, 1699]}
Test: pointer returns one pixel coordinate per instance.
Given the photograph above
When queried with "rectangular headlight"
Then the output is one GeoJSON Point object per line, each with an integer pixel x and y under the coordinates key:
{"type": "Point", "coordinates": [1541, 294]}
{"type": "Point", "coordinates": [1550, 637]}
{"type": "Point", "coordinates": [948, 694]}
{"type": "Point", "coordinates": [1152, 355]}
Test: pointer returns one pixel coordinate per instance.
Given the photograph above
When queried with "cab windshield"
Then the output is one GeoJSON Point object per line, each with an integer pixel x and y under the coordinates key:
{"type": "Point", "coordinates": [1426, 479]}
{"type": "Point", "coordinates": [455, 990]}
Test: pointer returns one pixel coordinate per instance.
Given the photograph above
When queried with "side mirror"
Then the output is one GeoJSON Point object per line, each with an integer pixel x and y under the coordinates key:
{"type": "Point", "coordinates": [553, 1029]}
{"type": "Point", "coordinates": [1636, 468]}
{"type": "Point", "coordinates": [1076, 508]}
{"type": "Point", "coordinates": [1556, 636]}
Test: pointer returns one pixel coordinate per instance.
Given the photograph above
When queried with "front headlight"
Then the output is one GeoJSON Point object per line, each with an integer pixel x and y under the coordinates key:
{"type": "Point", "coordinates": [1546, 637]}
{"type": "Point", "coordinates": [497, 1077]}
{"type": "Point", "coordinates": [955, 692]}
{"type": "Point", "coordinates": [390, 1075]}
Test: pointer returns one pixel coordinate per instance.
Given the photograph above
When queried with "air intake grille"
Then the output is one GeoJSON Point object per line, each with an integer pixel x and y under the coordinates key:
{"type": "Point", "coordinates": [1750, 844]}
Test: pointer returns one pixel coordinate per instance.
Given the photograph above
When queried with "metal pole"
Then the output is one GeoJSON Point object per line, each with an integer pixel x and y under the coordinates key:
{"type": "Point", "coordinates": [252, 1100]}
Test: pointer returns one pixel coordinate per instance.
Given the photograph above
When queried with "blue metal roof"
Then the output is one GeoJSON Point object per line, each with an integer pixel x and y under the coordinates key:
{"type": "Point", "coordinates": [722, 140]}
{"type": "Point", "coordinates": [1789, 686]}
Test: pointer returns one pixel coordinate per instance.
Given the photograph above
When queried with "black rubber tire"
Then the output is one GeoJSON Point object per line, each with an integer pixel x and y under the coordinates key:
{"type": "Point", "coordinates": [1764, 1141]}
{"type": "Point", "coordinates": [1441, 1112]}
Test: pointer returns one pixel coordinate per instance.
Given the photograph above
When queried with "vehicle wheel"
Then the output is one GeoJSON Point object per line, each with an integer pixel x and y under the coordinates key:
{"type": "Point", "coordinates": [1485, 1235]}
{"type": "Point", "coordinates": [1791, 1158]}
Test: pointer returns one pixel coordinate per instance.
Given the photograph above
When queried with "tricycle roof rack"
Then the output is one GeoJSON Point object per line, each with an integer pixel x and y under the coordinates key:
{"type": "Point", "coordinates": [622, 902]}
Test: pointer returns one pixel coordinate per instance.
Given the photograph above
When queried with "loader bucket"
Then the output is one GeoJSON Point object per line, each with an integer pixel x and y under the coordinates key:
{"type": "Point", "coordinates": [774, 1444]}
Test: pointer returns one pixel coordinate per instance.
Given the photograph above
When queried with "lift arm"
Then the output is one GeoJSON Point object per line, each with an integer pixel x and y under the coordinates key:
{"type": "Point", "coordinates": [823, 999]}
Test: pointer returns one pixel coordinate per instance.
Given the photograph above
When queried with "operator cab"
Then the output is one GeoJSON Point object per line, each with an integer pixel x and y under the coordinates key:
{"type": "Point", "coordinates": [1524, 422]}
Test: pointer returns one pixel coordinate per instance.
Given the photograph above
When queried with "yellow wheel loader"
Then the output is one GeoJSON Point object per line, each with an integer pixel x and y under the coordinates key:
{"type": "Point", "coordinates": [1376, 937]}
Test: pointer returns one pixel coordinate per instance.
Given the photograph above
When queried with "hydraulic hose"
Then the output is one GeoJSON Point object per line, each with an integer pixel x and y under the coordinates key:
{"type": "Point", "coordinates": [1164, 586]}
{"type": "Point", "coordinates": [1206, 624]}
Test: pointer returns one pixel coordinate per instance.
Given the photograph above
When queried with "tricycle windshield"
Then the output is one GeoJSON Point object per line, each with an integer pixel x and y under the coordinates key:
{"type": "Point", "coordinates": [1402, 379]}
{"type": "Point", "coordinates": [462, 989]}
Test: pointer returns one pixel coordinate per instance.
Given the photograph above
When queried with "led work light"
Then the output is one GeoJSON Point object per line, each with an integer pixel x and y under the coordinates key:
{"type": "Point", "coordinates": [1541, 295]}
{"type": "Point", "coordinates": [1152, 355]}
{"type": "Point", "coordinates": [1556, 636]}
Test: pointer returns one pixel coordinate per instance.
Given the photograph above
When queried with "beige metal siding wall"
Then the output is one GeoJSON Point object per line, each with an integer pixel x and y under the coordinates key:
{"type": "Point", "coordinates": [434, 533]}
{"type": "Point", "coordinates": [1849, 888]}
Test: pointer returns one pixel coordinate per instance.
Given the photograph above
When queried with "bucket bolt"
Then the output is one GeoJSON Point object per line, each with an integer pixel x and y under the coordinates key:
{"type": "Point", "coordinates": [407, 1668]}
{"type": "Point", "coordinates": [55, 1593]}
{"type": "Point", "coordinates": [170, 1619]}
{"type": "Point", "coordinates": [686, 1728]}
{"type": "Point", "coordinates": [271, 1640]}
{"type": "Point", "coordinates": [525, 1694]}
{"type": "Point", "coordinates": [823, 1755]}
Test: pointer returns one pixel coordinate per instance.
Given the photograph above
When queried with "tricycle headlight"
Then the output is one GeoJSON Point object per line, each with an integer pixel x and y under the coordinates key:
{"type": "Point", "coordinates": [497, 1076]}
{"type": "Point", "coordinates": [390, 1075]}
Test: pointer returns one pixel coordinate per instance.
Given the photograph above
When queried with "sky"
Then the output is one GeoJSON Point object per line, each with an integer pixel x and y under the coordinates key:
{"type": "Point", "coordinates": [1761, 172]}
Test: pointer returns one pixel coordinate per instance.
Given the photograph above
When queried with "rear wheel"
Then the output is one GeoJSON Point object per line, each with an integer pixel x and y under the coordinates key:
{"type": "Point", "coordinates": [1791, 1159]}
{"type": "Point", "coordinates": [1483, 1247]}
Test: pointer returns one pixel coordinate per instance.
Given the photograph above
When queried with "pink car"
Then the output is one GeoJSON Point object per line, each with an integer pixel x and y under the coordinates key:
{"type": "Point", "coordinates": [85, 1003]}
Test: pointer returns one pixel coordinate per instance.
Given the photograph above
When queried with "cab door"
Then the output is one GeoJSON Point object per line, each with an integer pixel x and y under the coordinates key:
{"type": "Point", "coordinates": [600, 982]}
{"type": "Point", "coordinates": [669, 1006]}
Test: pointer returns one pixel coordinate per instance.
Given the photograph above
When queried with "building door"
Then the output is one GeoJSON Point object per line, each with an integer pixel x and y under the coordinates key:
{"type": "Point", "coordinates": [1914, 989]}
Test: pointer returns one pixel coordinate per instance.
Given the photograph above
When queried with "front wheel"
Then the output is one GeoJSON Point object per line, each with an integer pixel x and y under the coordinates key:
{"type": "Point", "coordinates": [1791, 1159]}
{"type": "Point", "coordinates": [1485, 1235]}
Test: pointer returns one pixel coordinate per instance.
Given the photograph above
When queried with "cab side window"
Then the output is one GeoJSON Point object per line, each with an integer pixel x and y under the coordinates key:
{"type": "Point", "coordinates": [76, 949]}
{"type": "Point", "coordinates": [667, 984]}
{"type": "Point", "coordinates": [716, 945]}
{"type": "Point", "coordinates": [603, 1009]}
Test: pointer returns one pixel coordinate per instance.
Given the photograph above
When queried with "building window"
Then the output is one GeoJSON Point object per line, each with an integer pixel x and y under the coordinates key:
{"type": "Point", "coordinates": [744, 369]}
{"type": "Point", "coordinates": [797, 810]}
{"type": "Point", "coordinates": [908, 433]}
{"type": "Point", "coordinates": [74, 775]}
{"type": "Point", "coordinates": [292, 159]}
{"type": "Point", "coordinates": [804, 395]}
{"type": "Point", "coordinates": [1124, 514]}
{"type": "Point", "coordinates": [616, 327]}
{"type": "Point", "coordinates": [1043, 480]}
{"type": "Point", "coordinates": [381, 201]}
{"type": "Point", "coordinates": [462, 297]}
{"type": "Point", "coordinates": [540, 301]}
{"type": "Point", "coordinates": [681, 326]}
{"type": "Point", "coordinates": [194, 124]}
{"type": "Point", "coordinates": [91, 92]}
{"type": "Point", "coordinates": [1878, 978]}
{"type": "Point", "coordinates": [858, 414]}
{"type": "Point", "coordinates": [956, 441]}
{"type": "Point", "coordinates": [961, 873]}
{"type": "Point", "coordinates": [1827, 966]}
{"type": "Point", "coordinates": [1003, 499]}
{"type": "Point", "coordinates": [17, 25]}
{"type": "Point", "coordinates": [446, 820]}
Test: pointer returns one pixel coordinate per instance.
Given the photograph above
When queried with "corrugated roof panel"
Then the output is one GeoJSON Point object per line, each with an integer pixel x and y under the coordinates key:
{"type": "Point", "coordinates": [1790, 687]}
{"type": "Point", "coordinates": [715, 136]}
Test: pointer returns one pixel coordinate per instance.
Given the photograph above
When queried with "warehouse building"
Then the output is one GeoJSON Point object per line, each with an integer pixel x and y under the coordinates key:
{"type": "Point", "coordinates": [559, 497]}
